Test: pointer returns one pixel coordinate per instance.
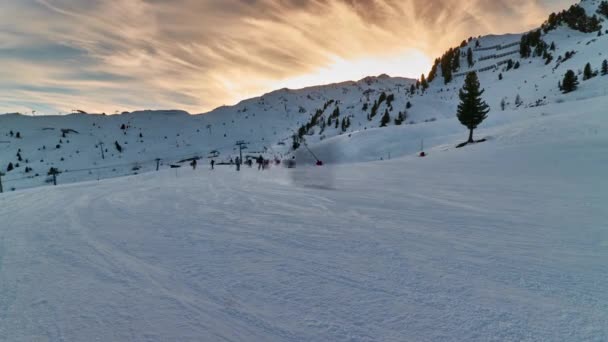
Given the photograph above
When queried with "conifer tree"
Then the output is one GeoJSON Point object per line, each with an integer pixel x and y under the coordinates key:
{"type": "Point", "coordinates": [603, 8]}
{"type": "Point", "coordinates": [605, 67]}
{"type": "Point", "coordinates": [386, 118]}
{"type": "Point", "coordinates": [570, 82]}
{"type": "Point", "coordinates": [588, 72]}
{"type": "Point", "coordinates": [400, 118]}
{"type": "Point", "coordinates": [470, 58]}
{"type": "Point", "coordinates": [472, 110]}
{"type": "Point", "coordinates": [456, 60]}
{"type": "Point", "coordinates": [518, 101]}
{"type": "Point", "coordinates": [423, 82]}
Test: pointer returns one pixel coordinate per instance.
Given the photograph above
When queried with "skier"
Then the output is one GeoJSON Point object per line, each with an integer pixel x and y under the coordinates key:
{"type": "Point", "coordinates": [193, 164]}
{"type": "Point", "coordinates": [238, 164]}
{"type": "Point", "coordinates": [260, 162]}
{"type": "Point", "coordinates": [212, 164]}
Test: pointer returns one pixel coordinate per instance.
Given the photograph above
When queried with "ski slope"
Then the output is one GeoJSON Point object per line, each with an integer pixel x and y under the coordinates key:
{"type": "Point", "coordinates": [500, 241]}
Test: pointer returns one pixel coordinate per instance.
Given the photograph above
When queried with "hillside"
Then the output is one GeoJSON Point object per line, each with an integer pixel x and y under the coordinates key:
{"type": "Point", "coordinates": [502, 241]}
{"type": "Point", "coordinates": [340, 118]}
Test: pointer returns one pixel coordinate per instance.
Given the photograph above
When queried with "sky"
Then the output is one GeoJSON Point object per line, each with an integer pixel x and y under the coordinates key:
{"type": "Point", "coordinates": [121, 55]}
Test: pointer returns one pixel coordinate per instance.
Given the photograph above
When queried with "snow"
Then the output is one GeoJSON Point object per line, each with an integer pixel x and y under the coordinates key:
{"type": "Point", "coordinates": [501, 241]}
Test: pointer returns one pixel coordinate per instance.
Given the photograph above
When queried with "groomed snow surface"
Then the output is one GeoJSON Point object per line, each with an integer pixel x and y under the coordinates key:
{"type": "Point", "coordinates": [501, 241]}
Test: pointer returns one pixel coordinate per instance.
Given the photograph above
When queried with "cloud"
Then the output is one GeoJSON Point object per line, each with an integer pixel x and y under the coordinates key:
{"type": "Point", "coordinates": [106, 55]}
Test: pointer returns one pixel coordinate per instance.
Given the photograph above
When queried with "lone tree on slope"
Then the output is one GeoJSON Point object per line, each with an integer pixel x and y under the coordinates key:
{"type": "Point", "coordinates": [605, 67]}
{"type": "Point", "coordinates": [570, 82]}
{"type": "Point", "coordinates": [472, 110]}
{"type": "Point", "coordinates": [588, 72]}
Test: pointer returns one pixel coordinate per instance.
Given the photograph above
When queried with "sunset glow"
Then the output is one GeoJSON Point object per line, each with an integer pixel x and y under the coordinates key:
{"type": "Point", "coordinates": [109, 55]}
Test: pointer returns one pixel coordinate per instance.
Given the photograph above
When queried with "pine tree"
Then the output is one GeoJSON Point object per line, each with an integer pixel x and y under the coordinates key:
{"type": "Point", "coordinates": [605, 67]}
{"type": "Point", "coordinates": [588, 72]}
{"type": "Point", "coordinates": [518, 101]}
{"type": "Point", "coordinates": [423, 82]}
{"type": "Point", "coordinates": [9, 168]}
{"type": "Point", "coordinates": [456, 60]}
{"type": "Point", "coordinates": [386, 118]}
{"type": "Point", "coordinates": [336, 112]}
{"type": "Point", "coordinates": [295, 144]}
{"type": "Point", "coordinates": [603, 8]}
{"type": "Point", "coordinates": [472, 110]}
{"type": "Point", "coordinates": [500, 77]}
{"type": "Point", "coordinates": [374, 109]}
{"type": "Point", "coordinates": [413, 89]}
{"type": "Point", "coordinates": [570, 82]}
{"type": "Point", "coordinates": [470, 57]}
{"type": "Point", "coordinates": [400, 118]}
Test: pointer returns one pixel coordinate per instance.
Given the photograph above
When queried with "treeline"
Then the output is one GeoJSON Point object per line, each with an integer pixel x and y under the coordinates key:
{"type": "Point", "coordinates": [576, 18]}
{"type": "Point", "coordinates": [450, 62]}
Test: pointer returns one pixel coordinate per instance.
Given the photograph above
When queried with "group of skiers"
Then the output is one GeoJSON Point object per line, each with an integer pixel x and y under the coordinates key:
{"type": "Point", "coordinates": [263, 164]}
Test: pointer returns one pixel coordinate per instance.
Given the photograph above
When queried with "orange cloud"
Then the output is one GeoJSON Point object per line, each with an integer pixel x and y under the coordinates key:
{"type": "Point", "coordinates": [106, 55]}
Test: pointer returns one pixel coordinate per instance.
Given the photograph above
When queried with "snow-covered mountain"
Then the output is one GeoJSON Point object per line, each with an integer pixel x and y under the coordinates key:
{"type": "Point", "coordinates": [504, 240]}
{"type": "Point", "coordinates": [500, 241]}
{"type": "Point", "coordinates": [344, 118]}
